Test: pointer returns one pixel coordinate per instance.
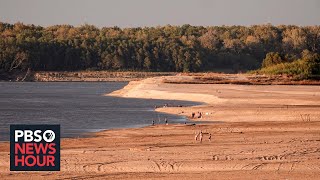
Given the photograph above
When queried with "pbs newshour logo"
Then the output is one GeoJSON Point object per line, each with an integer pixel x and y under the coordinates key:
{"type": "Point", "coordinates": [35, 147]}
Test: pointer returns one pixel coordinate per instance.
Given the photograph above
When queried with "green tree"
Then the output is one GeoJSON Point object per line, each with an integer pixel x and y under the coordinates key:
{"type": "Point", "coordinates": [271, 59]}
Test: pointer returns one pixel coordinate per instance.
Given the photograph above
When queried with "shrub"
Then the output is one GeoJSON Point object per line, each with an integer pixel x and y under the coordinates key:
{"type": "Point", "coordinates": [305, 68]}
{"type": "Point", "coordinates": [271, 59]}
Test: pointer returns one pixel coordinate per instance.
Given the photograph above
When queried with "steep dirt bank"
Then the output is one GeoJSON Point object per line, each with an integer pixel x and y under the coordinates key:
{"type": "Point", "coordinates": [96, 76]}
{"type": "Point", "coordinates": [87, 76]}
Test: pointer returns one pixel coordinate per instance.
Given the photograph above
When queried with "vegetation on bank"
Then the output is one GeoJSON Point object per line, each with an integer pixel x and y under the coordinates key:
{"type": "Point", "coordinates": [169, 48]}
{"type": "Point", "coordinates": [92, 76]}
{"type": "Point", "coordinates": [308, 67]}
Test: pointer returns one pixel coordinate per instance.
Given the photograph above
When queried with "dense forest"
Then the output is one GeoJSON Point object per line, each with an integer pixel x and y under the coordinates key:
{"type": "Point", "coordinates": [169, 48]}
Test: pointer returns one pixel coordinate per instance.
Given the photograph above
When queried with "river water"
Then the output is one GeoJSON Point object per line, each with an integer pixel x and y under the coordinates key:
{"type": "Point", "coordinates": [78, 107]}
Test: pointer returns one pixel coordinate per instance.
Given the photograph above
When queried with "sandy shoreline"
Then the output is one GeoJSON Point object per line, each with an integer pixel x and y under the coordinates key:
{"type": "Point", "coordinates": [268, 132]}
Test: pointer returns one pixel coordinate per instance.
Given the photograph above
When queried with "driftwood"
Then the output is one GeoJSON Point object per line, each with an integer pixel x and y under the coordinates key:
{"type": "Point", "coordinates": [25, 76]}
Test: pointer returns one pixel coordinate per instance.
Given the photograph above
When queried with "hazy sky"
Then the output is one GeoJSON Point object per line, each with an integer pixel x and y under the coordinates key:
{"type": "Point", "coordinates": [132, 13]}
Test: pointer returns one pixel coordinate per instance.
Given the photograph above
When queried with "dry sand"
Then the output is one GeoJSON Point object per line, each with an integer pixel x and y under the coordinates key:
{"type": "Point", "coordinates": [259, 132]}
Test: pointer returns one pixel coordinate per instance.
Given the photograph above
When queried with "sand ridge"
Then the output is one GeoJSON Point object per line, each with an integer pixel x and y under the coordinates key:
{"type": "Point", "coordinates": [150, 88]}
{"type": "Point", "coordinates": [229, 102]}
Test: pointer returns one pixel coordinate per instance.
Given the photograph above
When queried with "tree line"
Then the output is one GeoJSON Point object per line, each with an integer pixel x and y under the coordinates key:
{"type": "Point", "coordinates": [168, 48]}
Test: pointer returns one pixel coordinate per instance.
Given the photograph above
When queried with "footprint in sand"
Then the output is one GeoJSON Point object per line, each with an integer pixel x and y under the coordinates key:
{"type": "Point", "coordinates": [272, 158]}
{"type": "Point", "coordinates": [222, 158]}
